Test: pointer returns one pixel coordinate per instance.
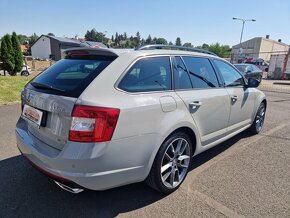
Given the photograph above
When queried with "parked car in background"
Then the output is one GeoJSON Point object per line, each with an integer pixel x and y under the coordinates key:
{"type": "Point", "coordinates": [26, 70]}
{"type": "Point", "coordinates": [260, 63]}
{"type": "Point", "coordinates": [250, 71]}
{"type": "Point", "coordinates": [102, 118]}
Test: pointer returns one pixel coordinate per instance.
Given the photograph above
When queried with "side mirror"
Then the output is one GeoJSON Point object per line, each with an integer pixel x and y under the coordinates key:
{"type": "Point", "coordinates": [248, 71]}
{"type": "Point", "coordinates": [252, 83]}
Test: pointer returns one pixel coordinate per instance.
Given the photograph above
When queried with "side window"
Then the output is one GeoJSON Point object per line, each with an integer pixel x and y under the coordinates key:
{"type": "Point", "coordinates": [148, 74]}
{"type": "Point", "coordinates": [230, 75]}
{"type": "Point", "coordinates": [181, 78]}
{"type": "Point", "coordinates": [201, 72]}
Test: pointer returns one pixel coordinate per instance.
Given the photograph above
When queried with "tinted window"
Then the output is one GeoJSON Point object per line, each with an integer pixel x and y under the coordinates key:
{"type": "Point", "coordinates": [201, 72]}
{"type": "Point", "coordinates": [148, 74]}
{"type": "Point", "coordinates": [242, 68]}
{"type": "Point", "coordinates": [255, 68]}
{"type": "Point", "coordinates": [230, 75]}
{"type": "Point", "coordinates": [70, 76]}
{"type": "Point", "coordinates": [181, 78]}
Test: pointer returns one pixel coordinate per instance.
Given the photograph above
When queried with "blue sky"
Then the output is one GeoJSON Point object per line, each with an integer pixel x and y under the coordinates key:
{"type": "Point", "coordinates": [195, 21]}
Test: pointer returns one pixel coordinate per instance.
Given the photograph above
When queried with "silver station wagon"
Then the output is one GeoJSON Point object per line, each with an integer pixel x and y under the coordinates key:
{"type": "Point", "coordinates": [102, 118]}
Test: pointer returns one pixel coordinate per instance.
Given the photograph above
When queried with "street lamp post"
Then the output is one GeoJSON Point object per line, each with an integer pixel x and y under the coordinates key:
{"type": "Point", "coordinates": [244, 21]}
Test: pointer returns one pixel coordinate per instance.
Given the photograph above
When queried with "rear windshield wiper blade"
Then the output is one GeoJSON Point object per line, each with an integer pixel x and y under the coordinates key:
{"type": "Point", "coordinates": [44, 86]}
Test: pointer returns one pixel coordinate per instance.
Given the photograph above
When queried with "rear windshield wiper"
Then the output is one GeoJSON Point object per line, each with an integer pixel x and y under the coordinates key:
{"type": "Point", "coordinates": [43, 86]}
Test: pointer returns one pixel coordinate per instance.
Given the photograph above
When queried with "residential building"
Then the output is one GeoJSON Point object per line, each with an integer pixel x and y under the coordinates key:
{"type": "Point", "coordinates": [51, 47]}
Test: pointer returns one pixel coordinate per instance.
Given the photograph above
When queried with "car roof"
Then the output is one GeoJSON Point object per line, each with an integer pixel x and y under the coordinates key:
{"type": "Point", "coordinates": [119, 52]}
{"type": "Point", "coordinates": [245, 64]}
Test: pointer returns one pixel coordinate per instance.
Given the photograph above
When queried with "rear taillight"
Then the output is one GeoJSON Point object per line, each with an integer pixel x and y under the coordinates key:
{"type": "Point", "coordinates": [93, 124]}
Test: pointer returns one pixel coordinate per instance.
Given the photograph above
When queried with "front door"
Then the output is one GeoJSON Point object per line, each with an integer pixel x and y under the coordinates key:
{"type": "Point", "coordinates": [242, 100]}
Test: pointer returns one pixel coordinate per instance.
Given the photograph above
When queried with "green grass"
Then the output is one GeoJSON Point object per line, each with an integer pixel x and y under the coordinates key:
{"type": "Point", "coordinates": [11, 87]}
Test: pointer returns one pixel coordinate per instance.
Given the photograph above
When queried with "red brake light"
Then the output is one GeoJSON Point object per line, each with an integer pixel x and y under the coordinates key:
{"type": "Point", "coordinates": [93, 124]}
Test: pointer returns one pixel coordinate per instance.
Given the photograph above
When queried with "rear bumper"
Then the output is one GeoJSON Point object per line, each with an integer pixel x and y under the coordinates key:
{"type": "Point", "coordinates": [98, 166]}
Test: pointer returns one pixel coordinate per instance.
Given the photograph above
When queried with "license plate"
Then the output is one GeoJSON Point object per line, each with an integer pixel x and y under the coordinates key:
{"type": "Point", "coordinates": [32, 114]}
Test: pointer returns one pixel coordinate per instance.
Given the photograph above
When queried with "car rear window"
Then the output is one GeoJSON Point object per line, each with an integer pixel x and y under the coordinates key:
{"type": "Point", "coordinates": [242, 68]}
{"type": "Point", "coordinates": [69, 77]}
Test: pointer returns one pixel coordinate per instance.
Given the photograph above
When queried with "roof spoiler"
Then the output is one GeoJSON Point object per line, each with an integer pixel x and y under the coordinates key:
{"type": "Point", "coordinates": [85, 51]}
{"type": "Point", "coordinates": [174, 47]}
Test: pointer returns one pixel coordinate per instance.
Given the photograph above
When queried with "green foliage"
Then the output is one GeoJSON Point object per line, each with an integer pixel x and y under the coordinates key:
{"type": "Point", "coordinates": [23, 39]}
{"type": "Point", "coordinates": [50, 34]}
{"type": "Point", "coordinates": [32, 39]}
{"type": "Point", "coordinates": [221, 50]}
{"type": "Point", "coordinates": [148, 40]}
{"type": "Point", "coordinates": [124, 41]}
{"type": "Point", "coordinates": [161, 41]}
{"type": "Point", "coordinates": [137, 39]}
{"type": "Point", "coordinates": [95, 36]}
{"type": "Point", "coordinates": [205, 46]}
{"type": "Point", "coordinates": [178, 41]}
{"type": "Point", "coordinates": [188, 44]}
{"type": "Point", "coordinates": [7, 54]}
{"type": "Point", "coordinates": [18, 56]}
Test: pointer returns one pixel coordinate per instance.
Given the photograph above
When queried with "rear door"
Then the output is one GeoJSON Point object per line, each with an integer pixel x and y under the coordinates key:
{"type": "Point", "coordinates": [198, 86]}
{"type": "Point", "coordinates": [242, 99]}
{"type": "Point", "coordinates": [54, 93]}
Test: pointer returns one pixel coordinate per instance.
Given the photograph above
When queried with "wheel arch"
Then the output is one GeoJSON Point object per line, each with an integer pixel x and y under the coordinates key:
{"type": "Point", "coordinates": [189, 132]}
{"type": "Point", "coordinates": [188, 129]}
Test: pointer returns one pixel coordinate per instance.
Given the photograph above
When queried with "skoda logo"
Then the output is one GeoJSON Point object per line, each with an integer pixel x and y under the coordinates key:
{"type": "Point", "coordinates": [30, 97]}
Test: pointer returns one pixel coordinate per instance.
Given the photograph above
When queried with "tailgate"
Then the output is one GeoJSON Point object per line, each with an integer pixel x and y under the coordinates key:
{"type": "Point", "coordinates": [56, 117]}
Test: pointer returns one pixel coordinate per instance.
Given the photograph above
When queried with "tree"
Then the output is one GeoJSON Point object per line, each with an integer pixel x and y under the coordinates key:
{"type": "Point", "coordinates": [148, 40]}
{"type": "Point", "coordinates": [32, 39]}
{"type": "Point", "coordinates": [221, 50]}
{"type": "Point", "coordinates": [205, 46]}
{"type": "Point", "coordinates": [137, 39]}
{"type": "Point", "coordinates": [178, 41]}
{"type": "Point", "coordinates": [188, 44]}
{"type": "Point", "coordinates": [18, 56]}
{"type": "Point", "coordinates": [95, 36]}
{"type": "Point", "coordinates": [142, 42]}
{"type": "Point", "coordinates": [23, 39]}
{"type": "Point", "coordinates": [50, 34]}
{"type": "Point", "coordinates": [7, 54]}
{"type": "Point", "coordinates": [161, 41]}
{"type": "Point", "coordinates": [170, 43]}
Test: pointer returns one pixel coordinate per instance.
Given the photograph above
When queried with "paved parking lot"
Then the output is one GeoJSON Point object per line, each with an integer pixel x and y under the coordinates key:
{"type": "Point", "coordinates": [247, 176]}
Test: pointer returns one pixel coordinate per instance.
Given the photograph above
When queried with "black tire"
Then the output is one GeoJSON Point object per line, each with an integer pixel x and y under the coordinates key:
{"type": "Point", "coordinates": [260, 117]}
{"type": "Point", "coordinates": [154, 178]}
{"type": "Point", "coordinates": [24, 73]}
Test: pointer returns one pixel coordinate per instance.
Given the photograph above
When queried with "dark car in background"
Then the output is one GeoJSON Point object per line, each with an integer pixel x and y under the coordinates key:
{"type": "Point", "coordinates": [250, 71]}
{"type": "Point", "coordinates": [259, 62]}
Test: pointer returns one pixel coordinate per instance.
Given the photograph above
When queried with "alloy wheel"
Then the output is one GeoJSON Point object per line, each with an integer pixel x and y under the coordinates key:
{"type": "Point", "coordinates": [260, 118]}
{"type": "Point", "coordinates": [175, 162]}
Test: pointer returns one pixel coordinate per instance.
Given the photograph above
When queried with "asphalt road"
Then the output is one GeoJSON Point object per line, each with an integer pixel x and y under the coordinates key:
{"type": "Point", "coordinates": [247, 176]}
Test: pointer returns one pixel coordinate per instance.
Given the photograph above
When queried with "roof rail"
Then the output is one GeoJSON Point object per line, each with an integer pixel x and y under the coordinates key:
{"type": "Point", "coordinates": [174, 47]}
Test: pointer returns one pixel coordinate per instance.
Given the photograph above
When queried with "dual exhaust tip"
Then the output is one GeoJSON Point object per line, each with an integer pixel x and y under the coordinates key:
{"type": "Point", "coordinates": [73, 190]}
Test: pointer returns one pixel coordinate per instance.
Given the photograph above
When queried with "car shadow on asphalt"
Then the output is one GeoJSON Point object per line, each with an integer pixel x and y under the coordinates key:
{"type": "Point", "coordinates": [26, 192]}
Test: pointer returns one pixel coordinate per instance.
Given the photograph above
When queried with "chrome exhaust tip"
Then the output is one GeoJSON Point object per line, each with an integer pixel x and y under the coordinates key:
{"type": "Point", "coordinates": [69, 189]}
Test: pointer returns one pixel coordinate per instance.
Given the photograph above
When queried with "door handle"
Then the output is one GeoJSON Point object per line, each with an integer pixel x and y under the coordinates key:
{"type": "Point", "coordinates": [234, 98]}
{"type": "Point", "coordinates": [195, 104]}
